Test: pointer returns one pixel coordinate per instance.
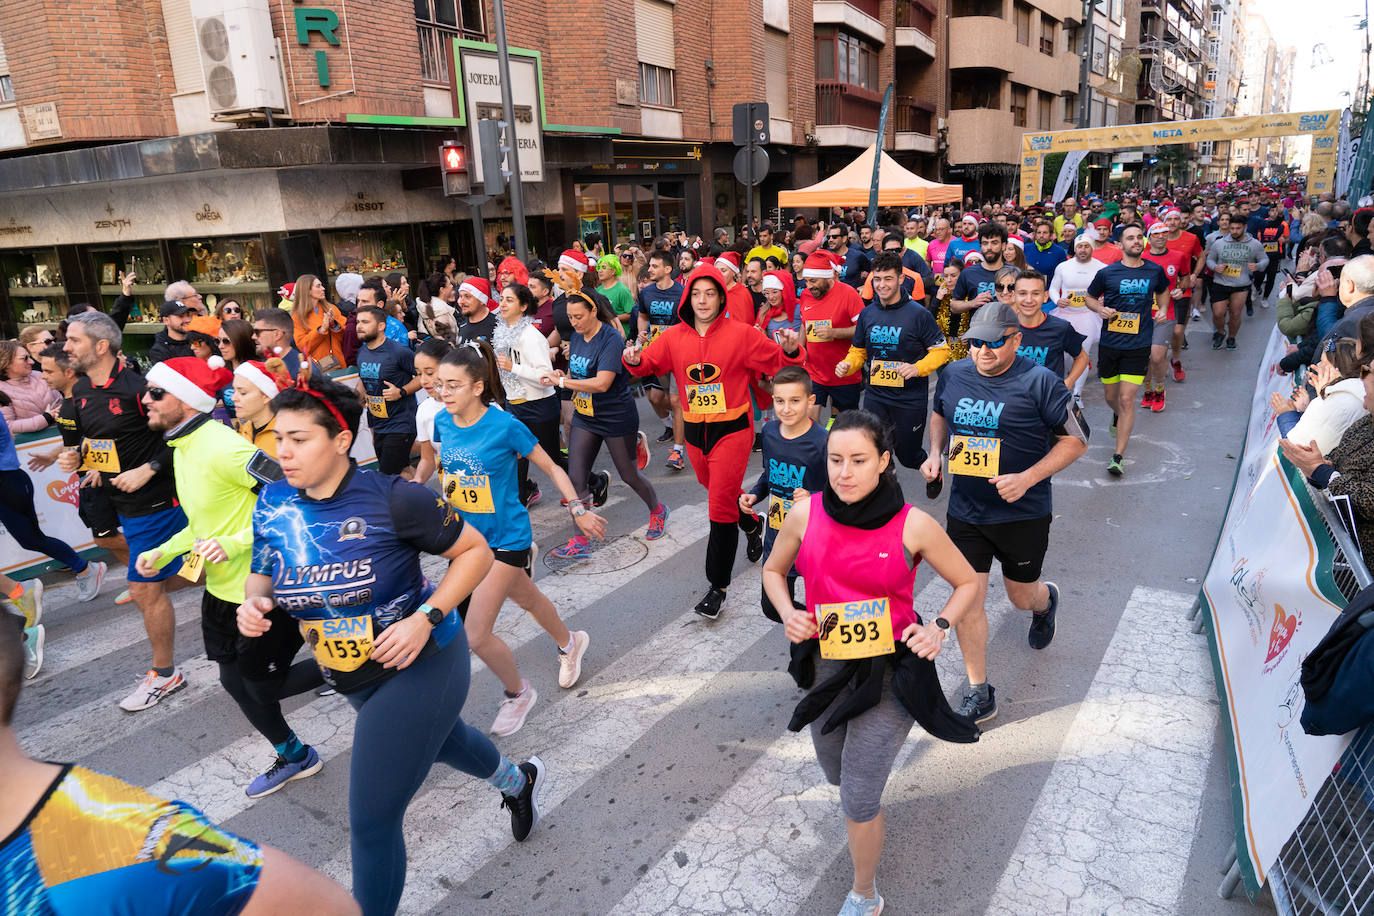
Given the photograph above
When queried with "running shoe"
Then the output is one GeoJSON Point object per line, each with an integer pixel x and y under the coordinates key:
{"type": "Point", "coordinates": [283, 771]}
{"type": "Point", "coordinates": [1157, 405]}
{"type": "Point", "coordinates": [124, 597]}
{"type": "Point", "coordinates": [979, 709]}
{"type": "Point", "coordinates": [666, 435]}
{"type": "Point", "coordinates": [753, 547]}
{"type": "Point", "coordinates": [513, 711]}
{"type": "Point", "coordinates": [675, 459]}
{"type": "Point", "coordinates": [570, 663]}
{"type": "Point", "coordinates": [30, 603]}
{"type": "Point", "coordinates": [1230, 343]}
{"type": "Point", "coordinates": [524, 808]}
{"type": "Point", "coordinates": [857, 904]}
{"type": "Point", "coordinates": [531, 494]}
{"type": "Point", "coordinates": [577, 548]}
{"type": "Point", "coordinates": [1179, 374]}
{"type": "Point", "coordinates": [758, 442]}
{"type": "Point", "coordinates": [600, 485]}
{"type": "Point", "coordinates": [152, 690]}
{"type": "Point", "coordinates": [1197, 316]}
{"type": "Point", "coordinates": [933, 487]}
{"type": "Point", "coordinates": [1042, 624]}
{"type": "Point", "coordinates": [641, 450]}
{"type": "Point", "coordinates": [1114, 467]}
{"type": "Point", "coordinates": [88, 586]}
{"type": "Point", "coordinates": [657, 520]}
{"type": "Point", "coordinates": [1249, 308]}
{"type": "Point", "coordinates": [1185, 343]}
{"type": "Point", "coordinates": [34, 637]}
{"type": "Point", "coordinates": [1218, 339]}
{"type": "Point", "coordinates": [709, 606]}
{"type": "Point", "coordinates": [1147, 400]}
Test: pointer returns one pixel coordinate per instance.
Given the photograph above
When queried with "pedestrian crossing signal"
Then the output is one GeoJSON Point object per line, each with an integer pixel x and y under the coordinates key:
{"type": "Point", "coordinates": [453, 163]}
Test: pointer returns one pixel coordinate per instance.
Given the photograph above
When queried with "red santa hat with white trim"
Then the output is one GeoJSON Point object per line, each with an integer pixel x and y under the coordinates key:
{"type": "Point", "coordinates": [572, 259]}
{"type": "Point", "coordinates": [728, 259]}
{"type": "Point", "coordinates": [478, 288]}
{"type": "Point", "coordinates": [262, 377]}
{"type": "Point", "coordinates": [819, 265]}
{"type": "Point", "coordinates": [190, 380]}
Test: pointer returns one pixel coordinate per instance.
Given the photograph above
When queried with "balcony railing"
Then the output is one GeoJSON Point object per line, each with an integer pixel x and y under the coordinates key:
{"type": "Point", "coordinates": [844, 103]}
{"type": "Point", "coordinates": [912, 15]}
{"type": "Point", "coordinates": [912, 116]}
{"type": "Point", "coordinates": [434, 50]}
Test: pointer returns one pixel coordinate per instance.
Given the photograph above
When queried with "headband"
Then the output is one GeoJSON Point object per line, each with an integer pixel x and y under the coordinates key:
{"type": "Point", "coordinates": [302, 385]}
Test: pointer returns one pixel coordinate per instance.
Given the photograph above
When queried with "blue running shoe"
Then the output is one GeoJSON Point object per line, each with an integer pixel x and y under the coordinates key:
{"type": "Point", "coordinates": [283, 771]}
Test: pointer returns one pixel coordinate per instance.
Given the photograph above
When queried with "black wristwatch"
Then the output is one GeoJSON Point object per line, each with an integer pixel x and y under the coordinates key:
{"type": "Point", "coordinates": [433, 614]}
{"type": "Point", "coordinates": [942, 623]}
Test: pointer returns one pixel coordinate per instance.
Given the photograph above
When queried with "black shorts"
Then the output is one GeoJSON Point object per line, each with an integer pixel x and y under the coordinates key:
{"type": "Point", "coordinates": [907, 425]}
{"type": "Point", "coordinates": [257, 657]}
{"type": "Point", "coordinates": [97, 512]}
{"type": "Point", "coordinates": [1221, 294]}
{"type": "Point", "coordinates": [1112, 364]}
{"type": "Point", "coordinates": [1019, 546]}
{"type": "Point", "coordinates": [843, 397]}
{"type": "Point", "coordinates": [393, 451]}
{"type": "Point", "coordinates": [520, 559]}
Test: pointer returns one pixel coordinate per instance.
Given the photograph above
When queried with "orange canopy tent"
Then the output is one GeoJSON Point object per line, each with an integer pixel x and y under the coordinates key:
{"type": "Point", "coordinates": [850, 186]}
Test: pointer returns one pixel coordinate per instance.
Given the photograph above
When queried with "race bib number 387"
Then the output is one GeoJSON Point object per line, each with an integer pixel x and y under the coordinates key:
{"type": "Point", "coordinates": [100, 455]}
{"type": "Point", "coordinates": [855, 629]}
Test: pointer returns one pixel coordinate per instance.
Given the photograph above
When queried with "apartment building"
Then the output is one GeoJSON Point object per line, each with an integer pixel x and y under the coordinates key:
{"type": "Point", "coordinates": [239, 143]}
{"type": "Point", "coordinates": [1223, 69]}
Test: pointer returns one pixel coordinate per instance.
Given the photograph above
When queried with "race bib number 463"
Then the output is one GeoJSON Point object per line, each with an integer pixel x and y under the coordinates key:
{"type": "Point", "coordinates": [855, 629]}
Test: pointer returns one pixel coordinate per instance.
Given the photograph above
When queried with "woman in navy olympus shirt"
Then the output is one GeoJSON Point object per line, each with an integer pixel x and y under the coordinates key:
{"type": "Point", "coordinates": [339, 549]}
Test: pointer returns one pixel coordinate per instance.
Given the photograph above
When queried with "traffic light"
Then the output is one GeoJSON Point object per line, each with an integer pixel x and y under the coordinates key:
{"type": "Point", "coordinates": [453, 163]}
{"type": "Point", "coordinates": [493, 145]}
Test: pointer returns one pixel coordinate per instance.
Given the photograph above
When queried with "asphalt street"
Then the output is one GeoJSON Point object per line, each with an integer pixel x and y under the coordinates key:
{"type": "Point", "coordinates": [674, 784]}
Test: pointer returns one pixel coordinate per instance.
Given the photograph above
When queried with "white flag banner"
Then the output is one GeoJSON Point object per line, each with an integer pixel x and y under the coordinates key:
{"type": "Point", "coordinates": [1068, 174]}
{"type": "Point", "coordinates": [1345, 154]}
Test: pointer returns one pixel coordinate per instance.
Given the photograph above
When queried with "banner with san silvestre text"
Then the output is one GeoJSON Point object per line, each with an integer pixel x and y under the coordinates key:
{"type": "Point", "coordinates": [1270, 598]}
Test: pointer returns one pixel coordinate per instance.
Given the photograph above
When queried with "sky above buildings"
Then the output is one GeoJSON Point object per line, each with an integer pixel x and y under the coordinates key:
{"type": "Point", "coordinates": [1304, 24]}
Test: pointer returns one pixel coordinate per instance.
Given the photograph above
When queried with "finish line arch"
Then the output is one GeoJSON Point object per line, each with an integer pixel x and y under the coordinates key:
{"type": "Point", "coordinates": [1321, 126]}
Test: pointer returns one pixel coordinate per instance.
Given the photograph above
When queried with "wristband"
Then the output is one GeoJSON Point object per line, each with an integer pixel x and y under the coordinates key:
{"type": "Point", "coordinates": [560, 381]}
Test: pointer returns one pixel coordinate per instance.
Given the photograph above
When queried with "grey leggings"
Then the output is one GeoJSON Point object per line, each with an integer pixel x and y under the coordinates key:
{"type": "Point", "coordinates": [583, 446]}
{"type": "Point", "coordinates": [858, 755]}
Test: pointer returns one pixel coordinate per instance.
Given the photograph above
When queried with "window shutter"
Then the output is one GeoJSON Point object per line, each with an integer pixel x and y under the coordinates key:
{"type": "Point", "coordinates": [181, 41]}
{"type": "Point", "coordinates": [654, 33]}
{"type": "Point", "coordinates": [4, 61]}
{"type": "Point", "coordinates": [776, 70]}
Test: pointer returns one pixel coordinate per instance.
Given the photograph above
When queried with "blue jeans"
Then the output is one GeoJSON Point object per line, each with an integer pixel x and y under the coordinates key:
{"type": "Point", "coordinates": [405, 724]}
{"type": "Point", "coordinates": [20, 519]}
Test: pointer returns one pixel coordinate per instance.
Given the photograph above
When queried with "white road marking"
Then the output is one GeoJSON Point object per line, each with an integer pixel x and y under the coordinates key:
{"type": "Point", "coordinates": [1114, 824]}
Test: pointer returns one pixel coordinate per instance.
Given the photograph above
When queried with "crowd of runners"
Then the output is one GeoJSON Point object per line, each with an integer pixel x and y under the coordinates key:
{"type": "Point", "coordinates": [955, 342]}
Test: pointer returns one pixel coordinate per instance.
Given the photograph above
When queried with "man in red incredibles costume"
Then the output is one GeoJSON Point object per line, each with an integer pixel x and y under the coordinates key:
{"type": "Point", "coordinates": [713, 358]}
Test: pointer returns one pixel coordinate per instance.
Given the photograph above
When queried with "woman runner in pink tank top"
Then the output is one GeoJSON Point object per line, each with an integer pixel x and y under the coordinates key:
{"type": "Point", "coordinates": [857, 545]}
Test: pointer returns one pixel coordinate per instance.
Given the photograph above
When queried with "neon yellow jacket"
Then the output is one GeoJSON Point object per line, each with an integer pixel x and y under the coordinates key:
{"type": "Point", "coordinates": [210, 466]}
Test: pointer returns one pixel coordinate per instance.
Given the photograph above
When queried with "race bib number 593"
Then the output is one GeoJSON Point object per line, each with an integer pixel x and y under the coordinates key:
{"type": "Point", "coordinates": [855, 629]}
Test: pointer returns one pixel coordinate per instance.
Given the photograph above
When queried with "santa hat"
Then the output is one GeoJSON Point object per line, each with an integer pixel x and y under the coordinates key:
{"type": "Point", "coordinates": [1158, 226]}
{"type": "Point", "coordinates": [262, 377]}
{"type": "Point", "coordinates": [478, 288]}
{"type": "Point", "coordinates": [287, 290]}
{"type": "Point", "coordinates": [728, 259]}
{"type": "Point", "coordinates": [772, 281]}
{"type": "Point", "coordinates": [973, 257]}
{"type": "Point", "coordinates": [191, 381]}
{"type": "Point", "coordinates": [819, 266]}
{"type": "Point", "coordinates": [572, 259]}
{"type": "Point", "coordinates": [1017, 241]}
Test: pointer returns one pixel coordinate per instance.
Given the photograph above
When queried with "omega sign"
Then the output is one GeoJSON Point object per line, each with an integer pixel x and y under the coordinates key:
{"type": "Point", "coordinates": [208, 215]}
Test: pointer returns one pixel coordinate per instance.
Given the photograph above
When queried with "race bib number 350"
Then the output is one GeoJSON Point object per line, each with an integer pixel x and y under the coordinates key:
{"type": "Point", "coordinates": [855, 629]}
{"type": "Point", "coordinates": [100, 455]}
{"type": "Point", "coordinates": [1125, 323]}
{"type": "Point", "coordinates": [341, 645]}
{"type": "Point", "coordinates": [469, 493]}
{"type": "Point", "coordinates": [975, 456]}
{"type": "Point", "coordinates": [885, 374]}
{"type": "Point", "coordinates": [708, 398]}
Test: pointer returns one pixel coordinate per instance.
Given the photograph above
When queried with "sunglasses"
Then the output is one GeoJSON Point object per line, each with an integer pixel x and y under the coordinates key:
{"type": "Point", "coordinates": [225, 340]}
{"type": "Point", "coordinates": [257, 331]}
{"type": "Point", "coordinates": [156, 394]}
{"type": "Point", "coordinates": [232, 310]}
{"type": "Point", "coordinates": [990, 344]}
{"type": "Point", "coordinates": [1005, 287]}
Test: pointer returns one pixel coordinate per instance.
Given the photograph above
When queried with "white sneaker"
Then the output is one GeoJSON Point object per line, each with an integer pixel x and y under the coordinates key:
{"type": "Point", "coordinates": [570, 663]}
{"type": "Point", "coordinates": [151, 690]}
{"type": "Point", "coordinates": [33, 651]}
{"type": "Point", "coordinates": [513, 711]}
{"type": "Point", "coordinates": [88, 586]}
{"type": "Point", "coordinates": [30, 603]}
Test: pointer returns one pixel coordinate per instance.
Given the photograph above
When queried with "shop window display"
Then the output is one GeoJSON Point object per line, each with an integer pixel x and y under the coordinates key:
{"type": "Point", "coordinates": [35, 286]}
{"type": "Point", "coordinates": [144, 261]}
{"type": "Point", "coordinates": [226, 268]}
{"type": "Point", "coordinates": [370, 252]}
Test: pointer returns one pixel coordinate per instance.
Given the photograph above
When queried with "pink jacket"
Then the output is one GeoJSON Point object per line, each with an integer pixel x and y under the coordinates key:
{"type": "Point", "coordinates": [30, 398]}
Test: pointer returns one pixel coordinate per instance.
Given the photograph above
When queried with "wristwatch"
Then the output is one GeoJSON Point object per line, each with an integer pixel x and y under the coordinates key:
{"type": "Point", "coordinates": [943, 624]}
{"type": "Point", "coordinates": [576, 508]}
{"type": "Point", "coordinates": [432, 614]}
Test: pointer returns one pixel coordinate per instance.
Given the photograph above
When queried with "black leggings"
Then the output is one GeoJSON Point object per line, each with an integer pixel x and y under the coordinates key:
{"type": "Point", "coordinates": [260, 700]}
{"type": "Point", "coordinates": [20, 519]}
{"type": "Point", "coordinates": [583, 447]}
{"type": "Point", "coordinates": [723, 543]}
{"type": "Point", "coordinates": [546, 431]}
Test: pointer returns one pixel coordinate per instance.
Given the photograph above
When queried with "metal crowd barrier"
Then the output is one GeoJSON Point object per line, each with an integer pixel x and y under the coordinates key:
{"type": "Point", "coordinates": [1327, 867]}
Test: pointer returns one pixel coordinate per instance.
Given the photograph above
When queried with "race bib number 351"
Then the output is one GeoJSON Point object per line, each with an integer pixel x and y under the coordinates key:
{"type": "Point", "coordinates": [341, 645]}
{"type": "Point", "coordinates": [975, 456]}
{"type": "Point", "coordinates": [855, 629]}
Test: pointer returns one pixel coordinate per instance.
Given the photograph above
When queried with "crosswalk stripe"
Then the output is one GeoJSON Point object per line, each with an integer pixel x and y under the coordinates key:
{"type": "Point", "coordinates": [582, 734]}
{"type": "Point", "coordinates": [65, 651]}
{"type": "Point", "coordinates": [215, 783]}
{"type": "Point", "coordinates": [1114, 823]}
{"type": "Point", "coordinates": [734, 859]}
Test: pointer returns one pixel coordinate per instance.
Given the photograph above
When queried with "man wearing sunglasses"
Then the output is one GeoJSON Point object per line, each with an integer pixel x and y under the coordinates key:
{"type": "Point", "coordinates": [272, 331]}
{"type": "Point", "coordinates": [1008, 425]}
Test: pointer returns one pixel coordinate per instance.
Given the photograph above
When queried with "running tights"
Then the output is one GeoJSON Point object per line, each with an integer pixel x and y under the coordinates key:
{"type": "Point", "coordinates": [722, 544]}
{"type": "Point", "coordinates": [405, 724]}
{"type": "Point", "coordinates": [260, 700]}
{"type": "Point", "coordinates": [19, 518]}
{"type": "Point", "coordinates": [582, 450]}
{"type": "Point", "coordinates": [546, 431]}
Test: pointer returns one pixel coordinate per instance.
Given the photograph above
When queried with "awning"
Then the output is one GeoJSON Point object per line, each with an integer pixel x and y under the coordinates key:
{"type": "Point", "coordinates": [850, 187]}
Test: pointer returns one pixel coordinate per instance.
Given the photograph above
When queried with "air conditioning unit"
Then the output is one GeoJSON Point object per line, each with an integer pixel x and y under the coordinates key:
{"type": "Point", "coordinates": [238, 56]}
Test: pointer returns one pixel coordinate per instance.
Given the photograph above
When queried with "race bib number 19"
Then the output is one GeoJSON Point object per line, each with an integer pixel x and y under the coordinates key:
{"type": "Point", "coordinates": [469, 493]}
{"type": "Point", "coordinates": [975, 456]}
{"type": "Point", "coordinates": [855, 629]}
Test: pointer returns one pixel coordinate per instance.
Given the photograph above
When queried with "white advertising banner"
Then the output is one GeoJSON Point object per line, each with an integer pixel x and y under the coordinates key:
{"type": "Point", "coordinates": [481, 92]}
{"type": "Point", "coordinates": [55, 500]}
{"type": "Point", "coordinates": [1271, 598]}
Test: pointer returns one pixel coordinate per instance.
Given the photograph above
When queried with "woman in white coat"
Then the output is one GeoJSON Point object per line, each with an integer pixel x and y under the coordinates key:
{"type": "Point", "coordinates": [522, 356]}
{"type": "Point", "coordinates": [1338, 405]}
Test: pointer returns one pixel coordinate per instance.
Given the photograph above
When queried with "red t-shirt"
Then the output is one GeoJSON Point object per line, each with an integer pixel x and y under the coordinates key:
{"type": "Point", "coordinates": [838, 309]}
{"type": "Point", "coordinates": [1108, 254]}
{"type": "Point", "coordinates": [1188, 244]}
{"type": "Point", "coordinates": [1175, 264]}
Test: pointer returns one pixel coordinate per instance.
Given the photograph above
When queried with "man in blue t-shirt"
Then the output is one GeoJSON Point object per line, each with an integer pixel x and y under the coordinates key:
{"type": "Point", "coordinates": [854, 263]}
{"type": "Point", "coordinates": [976, 285]}
{"type": "Point", "coordinates": [386, 371]}
{"type": "Point", "coordinates": [1045, 339]}
{"type": "Point", "coordinates": [1008, 425]}
{"type": "Point", "coordinates": [656, 309]}
{"type": "Point", "coordinates": [1044, 253]}
{"type": "Point", "coordinates": [1130, 295]}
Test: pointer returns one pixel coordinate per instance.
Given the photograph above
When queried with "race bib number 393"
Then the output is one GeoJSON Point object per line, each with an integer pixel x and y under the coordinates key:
{"type": "Point", "coordinates": [855, 629]}
{"type": "Point", "coordinates": [341, 645]}
{"type": "Point", "coordinates": [707, 398]}
{"type": "Point", "coordinates": [469, 493]}
{"type": "Point", "coordinates": [975, 456]}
